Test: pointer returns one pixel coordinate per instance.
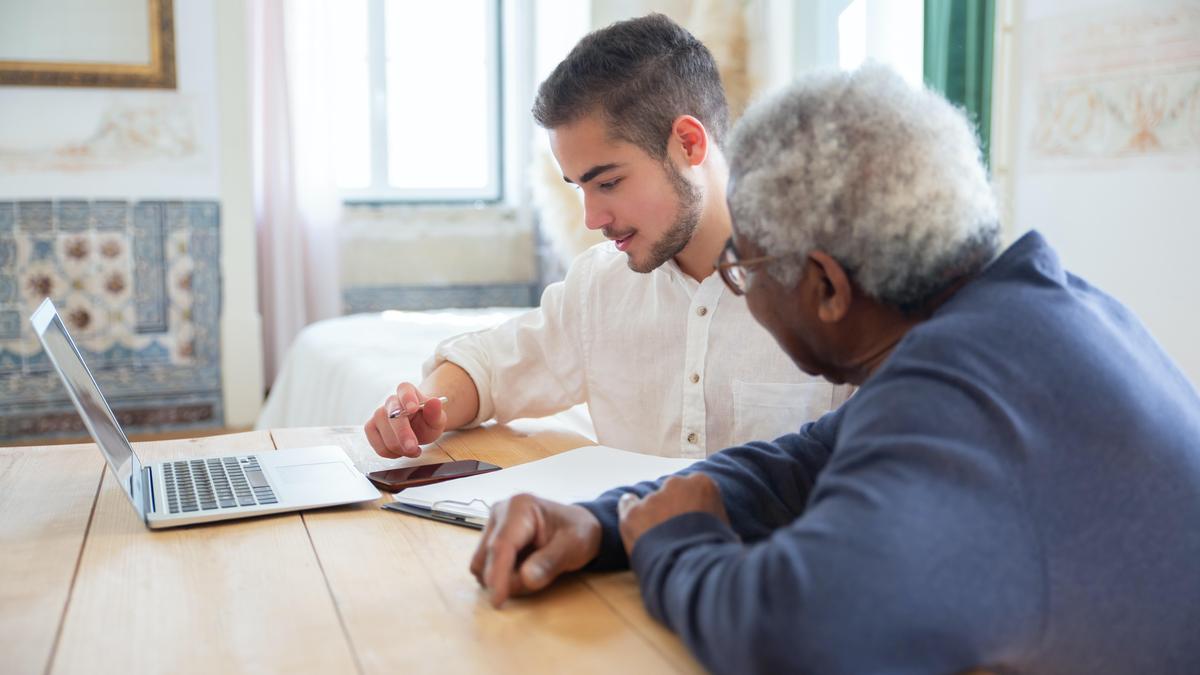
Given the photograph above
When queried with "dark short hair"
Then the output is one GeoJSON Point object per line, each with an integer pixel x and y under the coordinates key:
{"type": "Point", "coordinates": [640, 74]}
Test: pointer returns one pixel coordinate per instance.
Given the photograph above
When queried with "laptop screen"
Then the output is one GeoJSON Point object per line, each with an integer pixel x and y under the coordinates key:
{"type": "Point", "coordinates": [90, 403]}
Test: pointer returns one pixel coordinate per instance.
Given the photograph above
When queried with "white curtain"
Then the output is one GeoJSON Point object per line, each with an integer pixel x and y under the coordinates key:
{"type": "Point", "coordinates": [297, 207]}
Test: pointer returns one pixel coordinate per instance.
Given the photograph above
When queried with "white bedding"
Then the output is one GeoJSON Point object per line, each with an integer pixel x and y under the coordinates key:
{"type": "Point", "coordinates": [339, 370]}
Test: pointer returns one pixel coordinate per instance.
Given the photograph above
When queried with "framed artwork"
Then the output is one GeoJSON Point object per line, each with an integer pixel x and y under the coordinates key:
{"type": "Point", "coordinates": [88, 43]}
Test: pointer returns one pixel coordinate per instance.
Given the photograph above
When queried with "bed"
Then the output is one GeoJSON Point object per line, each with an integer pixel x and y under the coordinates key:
{"type": "Point", "coordinates": [339, 370]}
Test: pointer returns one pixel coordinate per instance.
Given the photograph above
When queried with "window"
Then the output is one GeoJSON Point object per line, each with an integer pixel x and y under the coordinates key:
{"type": "Point", "coordinates": [889, 32]}
{"type": "Point", "coordinates": [419, 103]}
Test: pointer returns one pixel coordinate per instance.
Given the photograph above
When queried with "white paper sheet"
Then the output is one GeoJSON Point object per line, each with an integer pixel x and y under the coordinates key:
{"type": "Point", "coordinates": [573, 476]}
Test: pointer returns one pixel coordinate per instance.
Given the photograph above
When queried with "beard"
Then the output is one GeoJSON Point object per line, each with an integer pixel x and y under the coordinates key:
{"type": "Point", "coordinates": [680, 233]}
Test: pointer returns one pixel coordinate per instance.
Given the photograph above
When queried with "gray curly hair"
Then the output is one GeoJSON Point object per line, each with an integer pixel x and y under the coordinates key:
{"type": "Point", "coordinates": [884, 177]}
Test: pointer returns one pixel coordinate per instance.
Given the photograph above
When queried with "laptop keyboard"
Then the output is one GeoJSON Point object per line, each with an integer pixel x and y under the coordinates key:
{"type": "Point", "coordinates": [215, 483]}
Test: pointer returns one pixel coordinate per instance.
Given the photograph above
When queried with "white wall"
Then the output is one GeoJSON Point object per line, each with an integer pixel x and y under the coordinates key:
{"type": "Point", "coordinates": [241, 323]}
{"type": "Point", "coordinates": [1120, 207]}
{"type": "Point", "coordinates": [200, 150]}
{"type": "Point", "coordinates": [173, 156]}
{"type": "Point", "coordinates": [435, 246]}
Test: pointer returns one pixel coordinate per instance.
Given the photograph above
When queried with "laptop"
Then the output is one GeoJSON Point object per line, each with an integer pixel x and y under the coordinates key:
{"type": "Point", "coordinates": [203, 489]}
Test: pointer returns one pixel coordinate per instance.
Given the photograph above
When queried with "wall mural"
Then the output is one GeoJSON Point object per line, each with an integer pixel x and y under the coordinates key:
{"type": "Point", "coordinates": [138, 285]}
{"type": "Point", "coordinates": [126, 136]}
{"type": "Point", "coordinates": [1117, 85]}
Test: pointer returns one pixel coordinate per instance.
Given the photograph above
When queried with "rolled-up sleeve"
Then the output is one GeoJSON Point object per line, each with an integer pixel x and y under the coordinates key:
{"type": "Point", "coordinates": [533, 364]}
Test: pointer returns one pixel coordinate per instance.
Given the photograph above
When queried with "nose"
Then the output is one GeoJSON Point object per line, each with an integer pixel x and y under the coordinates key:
{"type": "Point", "coordinates": [595, 216]}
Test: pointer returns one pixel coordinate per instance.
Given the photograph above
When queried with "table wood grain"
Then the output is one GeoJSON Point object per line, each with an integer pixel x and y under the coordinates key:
{"type": "Point", "coordinates": [46, 499]}
{"type": "Point", "coordinates": [396, 576]}
{"type": "Point", "coordinates": [236, 596]}
{"type": "Point", "coordinates": [86, 587]}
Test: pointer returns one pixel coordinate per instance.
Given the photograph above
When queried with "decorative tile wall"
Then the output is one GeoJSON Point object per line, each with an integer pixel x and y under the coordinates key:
{"type": "Point", "coordinates": [138, 285]}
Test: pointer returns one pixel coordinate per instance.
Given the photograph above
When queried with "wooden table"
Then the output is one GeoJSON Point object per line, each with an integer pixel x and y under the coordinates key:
{"type": "Point", "coordinates": [85, 587]}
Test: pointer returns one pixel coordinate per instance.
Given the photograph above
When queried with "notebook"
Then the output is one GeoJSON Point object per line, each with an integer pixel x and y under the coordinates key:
{"type": "Point", "coordinates": [577, 475]}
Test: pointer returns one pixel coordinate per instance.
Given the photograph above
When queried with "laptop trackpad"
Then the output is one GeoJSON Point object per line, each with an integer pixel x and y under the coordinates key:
{"type": "Point", "coordinates": [320, 478]}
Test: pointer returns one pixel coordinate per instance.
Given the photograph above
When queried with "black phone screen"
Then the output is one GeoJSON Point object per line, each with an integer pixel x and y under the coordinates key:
{"type": "Point", "coordinates": [394, 479]}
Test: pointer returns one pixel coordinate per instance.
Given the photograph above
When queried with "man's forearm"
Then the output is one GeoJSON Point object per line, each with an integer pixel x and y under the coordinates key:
{"type": "Point", "coordinates": [454, 383]}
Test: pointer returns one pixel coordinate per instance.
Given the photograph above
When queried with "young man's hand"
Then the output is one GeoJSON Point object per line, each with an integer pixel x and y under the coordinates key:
{"type": "Point", "coordinates": [402, 436]}
{"type": "Point", "coordinates": [678, 495]}
{"type": "Point", "coordinates": [529, 542]}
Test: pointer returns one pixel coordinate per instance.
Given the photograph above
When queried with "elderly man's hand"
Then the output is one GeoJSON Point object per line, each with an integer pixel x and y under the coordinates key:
{"type": "Point", "coordinates": [529, 542]}
{"type": "Point", "coordinates": [678, 495]}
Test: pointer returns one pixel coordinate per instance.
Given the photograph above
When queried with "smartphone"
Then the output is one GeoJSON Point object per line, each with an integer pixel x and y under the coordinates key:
{"type": "Point", "coordinates": [395, 480]}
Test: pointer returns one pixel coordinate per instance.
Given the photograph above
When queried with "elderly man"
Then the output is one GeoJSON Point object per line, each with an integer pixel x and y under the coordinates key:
{"type": "Point", "coordinates": [1015, 486]}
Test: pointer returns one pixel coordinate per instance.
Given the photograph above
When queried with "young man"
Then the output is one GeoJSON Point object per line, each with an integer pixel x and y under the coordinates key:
{"type": "Point", "coordinates": [1014, 487]}
{"type": "Point", "coordinates": [668, 361]}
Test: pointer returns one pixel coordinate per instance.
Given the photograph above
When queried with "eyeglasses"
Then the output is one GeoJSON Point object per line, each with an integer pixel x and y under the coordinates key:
{"type": "Point", "coordinates": [733, 270]}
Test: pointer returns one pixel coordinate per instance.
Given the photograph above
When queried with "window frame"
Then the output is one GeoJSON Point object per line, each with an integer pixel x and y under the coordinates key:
{"type": "Point", "coordinates": [380, 192]}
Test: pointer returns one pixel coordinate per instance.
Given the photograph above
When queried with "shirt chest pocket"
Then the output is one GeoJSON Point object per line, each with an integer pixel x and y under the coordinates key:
{"type": "Point", "coordinates": [767, 411]}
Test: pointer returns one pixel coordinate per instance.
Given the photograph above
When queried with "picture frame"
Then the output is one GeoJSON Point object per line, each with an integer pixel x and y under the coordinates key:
{"type": "Point", "coordinates": [56, 61]}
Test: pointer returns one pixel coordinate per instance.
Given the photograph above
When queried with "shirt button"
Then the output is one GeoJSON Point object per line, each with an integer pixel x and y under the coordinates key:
{"type": "Point", "coordinates": [692, 438]}
{"type": "Point", "coordinates": [701, 311]}
{"type": "Point", "coordinates": [695, 378]}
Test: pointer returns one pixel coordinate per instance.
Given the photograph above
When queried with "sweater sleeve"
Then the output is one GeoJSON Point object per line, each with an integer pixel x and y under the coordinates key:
{"type": "Point", "coordinates": [912, 555]}
{"type": "Point", "coordinates": [763, 486]}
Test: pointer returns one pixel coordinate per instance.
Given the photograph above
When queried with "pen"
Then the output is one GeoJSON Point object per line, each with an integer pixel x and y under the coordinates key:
{"type": "Point", "coordinates": [415, 409]}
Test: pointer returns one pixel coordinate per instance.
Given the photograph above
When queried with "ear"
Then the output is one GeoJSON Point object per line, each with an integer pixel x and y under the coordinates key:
{"type": "Point", "coordinates": [689, 140]}
{"type": "Point", "coordinates": [832, 286]}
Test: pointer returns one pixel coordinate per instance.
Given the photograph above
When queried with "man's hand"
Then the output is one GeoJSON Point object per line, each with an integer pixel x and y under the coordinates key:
{"type": "Point", "coordinates": [402, 436]}
{"type": "Point", "coordinates": [678, 495]}
{"type": "Point", "coordinates": [529, 541]}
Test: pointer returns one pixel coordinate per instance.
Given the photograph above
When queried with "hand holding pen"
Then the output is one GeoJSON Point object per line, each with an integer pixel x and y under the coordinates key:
{"type": "Point", "coordinates": [413, 410]}
{"type": "Point", "coordinates": [405, 421]}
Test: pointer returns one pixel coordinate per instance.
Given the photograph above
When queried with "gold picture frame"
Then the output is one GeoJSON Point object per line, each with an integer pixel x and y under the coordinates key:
{"type": "Point", "coordinates": [159, 73]}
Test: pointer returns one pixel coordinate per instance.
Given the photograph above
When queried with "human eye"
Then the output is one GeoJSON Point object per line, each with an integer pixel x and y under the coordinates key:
{"type": "Point", "coordinates": [608, 185]}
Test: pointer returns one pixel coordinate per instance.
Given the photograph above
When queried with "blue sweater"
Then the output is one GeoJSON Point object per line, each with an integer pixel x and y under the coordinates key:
{"type": "Point", "coordinates": [1016, 487]}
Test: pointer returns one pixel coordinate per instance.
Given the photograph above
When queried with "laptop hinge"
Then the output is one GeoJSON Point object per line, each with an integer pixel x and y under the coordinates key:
{"type": "Point", "coordinates": [147, 493]}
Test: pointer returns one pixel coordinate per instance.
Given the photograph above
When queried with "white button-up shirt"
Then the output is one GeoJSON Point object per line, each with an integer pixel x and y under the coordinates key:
{"type": "Point", "coordinates": [667, 365]}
